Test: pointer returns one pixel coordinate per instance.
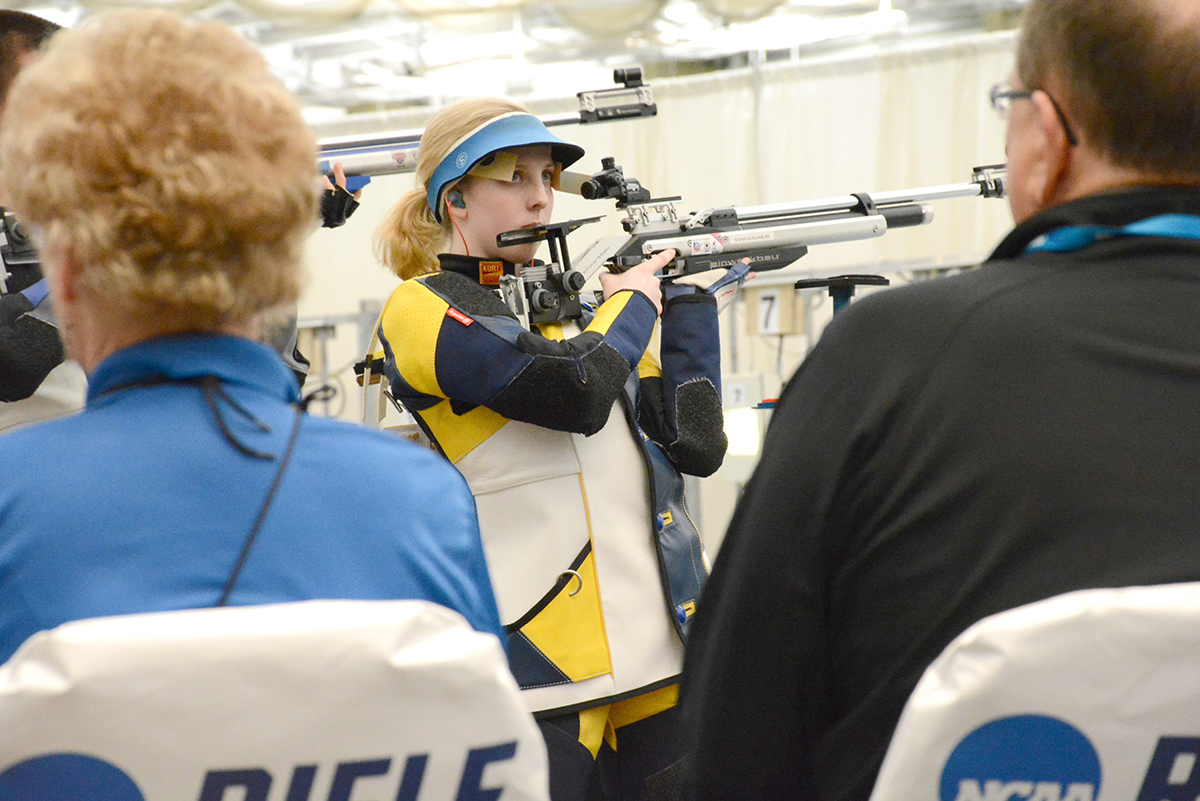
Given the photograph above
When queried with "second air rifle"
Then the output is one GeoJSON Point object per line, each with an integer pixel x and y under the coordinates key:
{"type": "Point", "coordinates": [396, 152]}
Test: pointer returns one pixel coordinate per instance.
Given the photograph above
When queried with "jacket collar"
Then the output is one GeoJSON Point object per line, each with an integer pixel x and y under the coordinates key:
{"type": "Point", "coordinates": [486, 272]}
{"type": "Point", "coordinates": [1116, 208]}
{"type": "Point", "coordinates": [233, 360]}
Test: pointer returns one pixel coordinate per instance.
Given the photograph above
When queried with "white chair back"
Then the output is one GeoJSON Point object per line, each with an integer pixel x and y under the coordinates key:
{"type": "Point", "coordinates": [309, 701]}
{"type": "Point", "coordinates": [1088, 696]}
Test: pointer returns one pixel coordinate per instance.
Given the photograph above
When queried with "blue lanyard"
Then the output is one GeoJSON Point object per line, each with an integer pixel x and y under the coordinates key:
{"type": "Point", "coordinates": [1077, 237]}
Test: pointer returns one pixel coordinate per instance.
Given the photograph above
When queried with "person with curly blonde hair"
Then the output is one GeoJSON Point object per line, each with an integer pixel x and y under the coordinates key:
{"type": "Point", "coordinates": [169, 180]}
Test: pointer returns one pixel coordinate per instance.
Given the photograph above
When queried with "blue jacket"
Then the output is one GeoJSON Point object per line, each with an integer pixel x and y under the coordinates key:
{"type": "Point", "coordinates": [141, 502]}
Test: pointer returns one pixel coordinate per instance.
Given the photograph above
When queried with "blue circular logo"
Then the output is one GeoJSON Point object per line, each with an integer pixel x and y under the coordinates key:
{"type": "Point", "coordinates": [1012, 756]}
{"type": "Point", "coordinates": [75, 776]}
{"type": "Point", "coordinates": [461, 161]}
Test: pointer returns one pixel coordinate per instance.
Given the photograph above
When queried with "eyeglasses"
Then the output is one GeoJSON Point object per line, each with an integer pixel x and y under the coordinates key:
{"type": "Point", "coordinates": [1002, 96]}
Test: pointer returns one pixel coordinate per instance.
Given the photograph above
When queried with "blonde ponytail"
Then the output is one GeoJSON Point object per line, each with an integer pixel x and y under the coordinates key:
{"type": "Point", "coordinates": [408, 241]}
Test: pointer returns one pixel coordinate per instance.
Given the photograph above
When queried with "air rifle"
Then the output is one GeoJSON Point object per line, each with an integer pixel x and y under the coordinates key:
{"type": "Point", "coordinates": [771, 237]}
{"type": "Point", "coordinates": [396, 152]}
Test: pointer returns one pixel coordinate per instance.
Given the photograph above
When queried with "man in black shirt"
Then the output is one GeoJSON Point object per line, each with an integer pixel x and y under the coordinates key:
{"type": "Point", "coordinates": [957, 448]}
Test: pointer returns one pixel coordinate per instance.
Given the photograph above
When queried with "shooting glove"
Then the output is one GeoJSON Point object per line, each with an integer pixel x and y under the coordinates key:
{"type": "Point", "coordinates": [336, 207]}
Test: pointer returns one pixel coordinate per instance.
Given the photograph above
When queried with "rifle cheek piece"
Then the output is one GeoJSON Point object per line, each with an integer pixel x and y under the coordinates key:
{"type": "Point", "coordinates": [544, 293]}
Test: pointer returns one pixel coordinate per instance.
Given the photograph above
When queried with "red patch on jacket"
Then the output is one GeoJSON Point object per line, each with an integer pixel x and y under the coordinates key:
{"type": "Point", "coordinates": [457, 315]}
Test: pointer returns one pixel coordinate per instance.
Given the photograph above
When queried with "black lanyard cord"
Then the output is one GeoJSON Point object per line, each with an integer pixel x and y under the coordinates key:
{"type": "Point", "coordinates": [210, 386]}
{"type": "Point", "coordinates": [211, 389]}
{"type": "Point", "coordinates": [262, 512]}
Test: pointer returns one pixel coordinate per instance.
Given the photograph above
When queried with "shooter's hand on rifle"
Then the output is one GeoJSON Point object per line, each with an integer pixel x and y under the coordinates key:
{"type": "Point", "coordinates": [641, 278]}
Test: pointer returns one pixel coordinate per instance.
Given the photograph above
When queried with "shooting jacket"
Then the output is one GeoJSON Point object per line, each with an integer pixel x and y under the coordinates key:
{"type": "Point", "coordinates": [572, 438]}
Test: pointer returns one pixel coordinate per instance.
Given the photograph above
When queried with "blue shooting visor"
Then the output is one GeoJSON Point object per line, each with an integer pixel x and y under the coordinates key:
{"type": "Point", "coordinates": [505, 133]}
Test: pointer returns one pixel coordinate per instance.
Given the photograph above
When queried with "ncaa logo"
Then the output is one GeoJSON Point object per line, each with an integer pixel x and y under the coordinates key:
{"type": "Point", "coordinates": [74, 776]}
{"type": "Point", "coordinates": [461, 160]}
{"type": "Point", "coordinates": [1022, 758]}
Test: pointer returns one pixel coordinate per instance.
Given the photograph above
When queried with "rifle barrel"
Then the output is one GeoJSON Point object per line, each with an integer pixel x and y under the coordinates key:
{"type": "Point", "coordinates": [848, 202]}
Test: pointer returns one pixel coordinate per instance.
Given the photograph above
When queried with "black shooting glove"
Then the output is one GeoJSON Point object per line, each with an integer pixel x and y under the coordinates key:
{"type": "Point", "coordinates": [336, 207]}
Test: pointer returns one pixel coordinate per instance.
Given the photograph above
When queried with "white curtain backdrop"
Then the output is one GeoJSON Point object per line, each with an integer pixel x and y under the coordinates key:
{"type": "Point", "coordinates": [863, 121]}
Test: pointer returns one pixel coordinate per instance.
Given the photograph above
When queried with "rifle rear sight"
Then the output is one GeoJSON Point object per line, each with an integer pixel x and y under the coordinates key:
{"type": "Point", "coordinates": [611, 182]}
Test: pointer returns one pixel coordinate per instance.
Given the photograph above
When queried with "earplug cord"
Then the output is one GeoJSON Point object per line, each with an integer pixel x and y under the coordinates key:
{"type": "Point", "coordinates": [454, 222]}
